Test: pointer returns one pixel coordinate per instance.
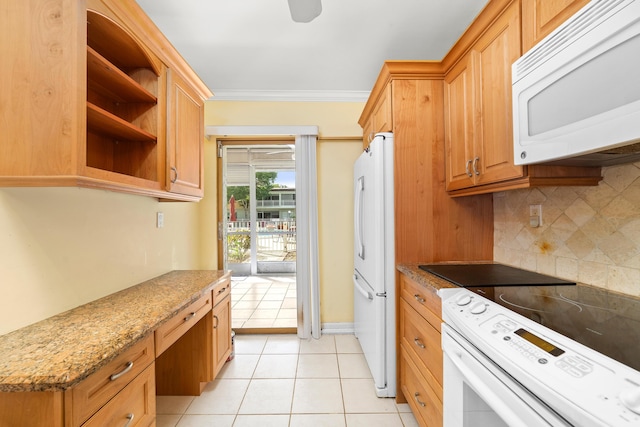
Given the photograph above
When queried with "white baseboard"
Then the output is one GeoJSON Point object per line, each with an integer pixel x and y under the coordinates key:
{"type": "Point", "coordinates": [337, 328]}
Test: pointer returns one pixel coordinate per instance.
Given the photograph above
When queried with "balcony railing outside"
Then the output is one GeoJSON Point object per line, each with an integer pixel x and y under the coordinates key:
{"type": "Point", "coordinates": [275, 203]}
{"type": "Point", "coordinates": [276, 241]}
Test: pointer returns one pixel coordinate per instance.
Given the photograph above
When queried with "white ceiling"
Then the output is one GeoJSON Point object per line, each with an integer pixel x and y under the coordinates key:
{"type": "Point", "coordinates": [251, 49]}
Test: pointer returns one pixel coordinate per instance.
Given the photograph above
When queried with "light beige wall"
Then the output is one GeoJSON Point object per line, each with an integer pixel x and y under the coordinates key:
{"type": "Point", "coordinates": [208, 209]}
{"type": "Point", "coordinates": [335, 229]}
{"type": "Point", "coordinates": [335, 174]}
{"type": "Point", "coordinates": [334, 119]}
{"type": "Point", "coordinates": [589, 234]}
{"type": "Point", "coordinates": [63, 247]}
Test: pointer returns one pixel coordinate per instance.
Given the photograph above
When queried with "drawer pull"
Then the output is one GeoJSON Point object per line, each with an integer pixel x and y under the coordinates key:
{"type": "Point", "coordinates": [130, 418]}
{"type": "Point", "coordinates": [417, 396]}
{"type": "Point", "coordinates": [222, 290]}
{"type": "Point", "coordinates": [191, 316]}
{"type": "Point", "coordinates": [217, 321]}
{"type": "Point", "coordinates": [419, 298]}
{"type": "Point", "coordinates": [126, 369]}
{"type": "Point", "coordinates": [419, 343]}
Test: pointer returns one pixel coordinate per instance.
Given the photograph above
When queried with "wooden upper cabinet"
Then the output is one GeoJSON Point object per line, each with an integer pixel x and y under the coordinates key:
{"type": "Point", "coordinates": [541, 17]}
{"type": "Point", "coordinates": [381, 118]}
{"type": "Point", "coordinates": [478, 119]}
{"type": "Point", "coordinates": [492, 56]}
{"type": "Point", "coordinates": [94, 113]}
{"type": "Point", "coordinates": [459, 125]}
{"type": "Point", "coordinates": [185, 137]}
{"type": "Point", "coordinates": [478, 110]}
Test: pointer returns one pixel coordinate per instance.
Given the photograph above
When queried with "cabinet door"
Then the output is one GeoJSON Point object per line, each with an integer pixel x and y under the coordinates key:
{"type": "Point", "coordinates": [541, 17]}
{"type": "Point", "coordinates": [185, 136]}
{"type": "Point", "coordinates": [382, 118]}
{"type": "Point", "coordinates": [492, 56]}
{"type": "Point", "coordinates": [221, 334]}
{"type": "Point", "coordinates": [459, 127]}
{"type": "Point", "coordinates": [367, 133]}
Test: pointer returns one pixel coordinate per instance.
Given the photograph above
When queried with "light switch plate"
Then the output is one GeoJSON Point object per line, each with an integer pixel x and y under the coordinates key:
{"type": "Point", "coordinates": [159, 219]}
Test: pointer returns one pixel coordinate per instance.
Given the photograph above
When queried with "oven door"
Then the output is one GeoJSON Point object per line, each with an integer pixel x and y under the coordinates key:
{"type": "Point", "coordinates": [478, 393]}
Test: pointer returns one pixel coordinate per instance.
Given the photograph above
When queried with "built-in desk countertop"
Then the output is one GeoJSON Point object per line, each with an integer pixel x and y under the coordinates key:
{"type": "Point", "coordinates": [59, 352]}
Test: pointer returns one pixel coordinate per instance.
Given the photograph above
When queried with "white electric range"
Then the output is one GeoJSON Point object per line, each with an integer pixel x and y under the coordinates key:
{"type": "Point", "coordinates": [544, 355]}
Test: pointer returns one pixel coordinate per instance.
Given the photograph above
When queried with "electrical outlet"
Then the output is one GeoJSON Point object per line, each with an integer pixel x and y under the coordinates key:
{"type": "Point", "coordinates": [535, 216]}
{"type": "Point", "coordinates": [159, 219]}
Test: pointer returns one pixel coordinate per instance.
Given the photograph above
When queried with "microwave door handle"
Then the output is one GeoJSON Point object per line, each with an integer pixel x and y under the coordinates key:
{"type": "Point", "coordinates": [359, 213]}
{"type": "Point", "coordinates": [482, 388]}
{"type": "Point", "coordinates": [357, 286]}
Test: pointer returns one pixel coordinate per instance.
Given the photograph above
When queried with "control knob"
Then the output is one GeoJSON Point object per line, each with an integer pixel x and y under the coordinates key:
{"type": "Point", "coordinates": [631, 399]}
{"type": "Point", "coordinates": [478, 308]}
{"type": "Point", "coordinates": [463, 300]}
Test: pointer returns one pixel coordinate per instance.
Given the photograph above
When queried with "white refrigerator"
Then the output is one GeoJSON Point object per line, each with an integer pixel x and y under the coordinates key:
{"type": "Point", "coordinates": [374, 262]}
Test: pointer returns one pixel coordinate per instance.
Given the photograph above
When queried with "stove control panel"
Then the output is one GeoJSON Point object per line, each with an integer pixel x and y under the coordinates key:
{"type": "Point", "coordinates": [553, 367]}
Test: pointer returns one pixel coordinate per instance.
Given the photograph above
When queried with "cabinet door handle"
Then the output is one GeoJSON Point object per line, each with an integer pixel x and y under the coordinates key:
{"type": "Point", "coordinates": [475, 166]}
{"type": "Point", "coordinates": [217, 321]}
{"type": "Point", "coordinates": [419, 298]}
{"type": "Point", "coordinates": [419, 343]}
{"type": "Point", "coordinates": [175, 178]}
{"type": "Point", "coordinates": [130, 418]}
{"type": "Point", "coordinates": [466, 168]}
{"type": "Point", "coordinates": [417, 397]}
{"type": "Point", "coordinates": [126, 369]}
{"type": "Point", "coordinates": [191, 316]}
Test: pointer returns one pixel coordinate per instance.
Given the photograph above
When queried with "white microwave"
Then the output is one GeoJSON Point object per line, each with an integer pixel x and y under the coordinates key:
{"type": "Point", "coordinates": [576, 94]}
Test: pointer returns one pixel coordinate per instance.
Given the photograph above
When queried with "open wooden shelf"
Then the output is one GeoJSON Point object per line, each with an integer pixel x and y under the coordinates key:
{"type": "Point", "coordinates": [109, 81]}
{"type": "Point", "coordinates": [103, 122]}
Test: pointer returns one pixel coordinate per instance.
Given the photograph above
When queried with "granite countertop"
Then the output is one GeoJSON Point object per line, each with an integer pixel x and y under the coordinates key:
{"type": "Point", "coordinates": [424, 278]}
{"type": "Point", "coordinates": [59, 352]}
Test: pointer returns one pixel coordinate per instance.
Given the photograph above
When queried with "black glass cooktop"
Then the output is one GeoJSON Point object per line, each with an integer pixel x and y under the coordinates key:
{"type": "Point", "coordinates": [605, 321]}
{"type": "Point", "coordinates": [467, 275]}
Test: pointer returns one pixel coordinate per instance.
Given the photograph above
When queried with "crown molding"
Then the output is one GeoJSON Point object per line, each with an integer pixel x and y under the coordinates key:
{"type": "Point", "coordinates": [290, 95]}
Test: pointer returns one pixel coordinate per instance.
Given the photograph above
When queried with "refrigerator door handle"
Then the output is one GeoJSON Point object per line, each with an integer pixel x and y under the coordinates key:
{"type": "Point", "coordinates": [359, 195]}
{"type": "Point", "coordinates": [364, 293]}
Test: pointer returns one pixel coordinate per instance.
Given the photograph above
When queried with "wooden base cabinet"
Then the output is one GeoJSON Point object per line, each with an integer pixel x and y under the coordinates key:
{"type": "Point", "coordinates": [122, 389]}
{"type": "Point", "coordinates": [134, 406]}
{"type": "Point", "coordinates": [420, 338]}
{"type": "Point", "coordinates": [89, 100]}
{"type": "Point", "coordinates": [221, 326]}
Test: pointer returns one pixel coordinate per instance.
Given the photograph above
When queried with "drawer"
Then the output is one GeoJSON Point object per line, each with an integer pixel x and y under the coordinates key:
{"type": "Point", "coordinates": [171, 331]}
{"type": "Point", "coordinates": [424, 300]}
{"type": "Point", "coordinates": [134, 406]}
{"type": "Point", "coordinates": [221, 291]}
{"type": "Point", "coordinates": [96, 390]}
{"type": "Point", "coordinates": [426, 406]}
{"type": "Point", "coordinates": [423, 343]}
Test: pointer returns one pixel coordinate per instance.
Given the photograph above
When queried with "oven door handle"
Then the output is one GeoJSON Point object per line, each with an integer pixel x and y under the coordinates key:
{"type": "Point", "coordinates": [457, 357]}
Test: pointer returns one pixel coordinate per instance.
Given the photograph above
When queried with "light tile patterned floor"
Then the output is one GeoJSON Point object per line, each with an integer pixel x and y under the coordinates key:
{"type": "Point", "coordinates": [282, 381]}
{"type": "Point", "coordinates": [265, 301]}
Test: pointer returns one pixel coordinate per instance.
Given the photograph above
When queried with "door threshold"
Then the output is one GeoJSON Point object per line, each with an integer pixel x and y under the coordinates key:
{"type": "Point", "coordinates": [265, 331]}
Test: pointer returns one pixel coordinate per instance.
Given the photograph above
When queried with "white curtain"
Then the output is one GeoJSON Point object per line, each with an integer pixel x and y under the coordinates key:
{"type": "Point", "coordinates": [307, 268]}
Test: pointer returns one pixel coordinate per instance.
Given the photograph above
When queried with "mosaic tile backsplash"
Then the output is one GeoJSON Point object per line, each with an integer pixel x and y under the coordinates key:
{"type": "Point", "coordinates": [588, 234]}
